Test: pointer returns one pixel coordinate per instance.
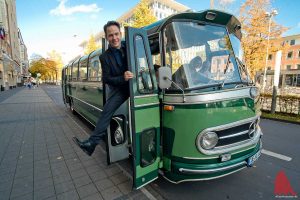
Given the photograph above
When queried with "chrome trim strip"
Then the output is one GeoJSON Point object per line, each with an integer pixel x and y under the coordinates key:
{"type": "Point", "coordinates": [194, 158]}
{"type": "Point", "coordinates": [86, 103]}
{"type": "Point", "coordinates": [208, 97]}
{"type": "Point", "coordinates": [234, 135]}
{"type": "Point", "coordinates": [144, 96]}
{"type": "Point", "coordinates": [147, 104]}
{"type": "Point", "coordinates": [210, 171]}
{"type": "Point", "coordinates": [203, 179]}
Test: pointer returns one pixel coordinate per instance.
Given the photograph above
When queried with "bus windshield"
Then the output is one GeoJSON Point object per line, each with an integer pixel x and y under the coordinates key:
{"type": "Point", "coordinates": [200, 55]}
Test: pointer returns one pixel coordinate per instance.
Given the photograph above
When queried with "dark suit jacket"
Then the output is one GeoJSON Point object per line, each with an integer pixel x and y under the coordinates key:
{"type": "Point", "coordinates": [113, 74]}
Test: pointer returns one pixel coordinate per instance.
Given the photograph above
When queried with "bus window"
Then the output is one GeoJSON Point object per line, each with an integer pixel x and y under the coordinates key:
{"type": "Point", "coordinates": [95, 72]}
{"type": "Point", "coordinates": [144, 80]}
{"type": "Point", "coordinates": [69, 73]}
{"type": "Point", "coordinates": [83, 69]}
{"type": "Point", "coordinates": [155, 52]}
{"type": "Point", "coordinates": [75, 71]}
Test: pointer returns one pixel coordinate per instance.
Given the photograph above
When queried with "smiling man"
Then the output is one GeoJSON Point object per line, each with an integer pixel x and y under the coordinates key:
{"type": "Point", "coordinates": [116, 75]}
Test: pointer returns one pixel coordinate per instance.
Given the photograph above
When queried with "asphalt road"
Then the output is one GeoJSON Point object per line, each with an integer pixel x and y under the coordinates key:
{"type": "Point", "coordinates": [280, 142]}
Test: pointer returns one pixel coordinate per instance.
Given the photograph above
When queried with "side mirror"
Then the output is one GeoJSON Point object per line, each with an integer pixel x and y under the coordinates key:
{"type": "Point", "coordinates": [164, 77]}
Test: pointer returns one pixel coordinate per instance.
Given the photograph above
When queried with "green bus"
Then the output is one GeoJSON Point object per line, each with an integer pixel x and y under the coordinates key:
{"type": "Point", "coordinates": [192, 112]}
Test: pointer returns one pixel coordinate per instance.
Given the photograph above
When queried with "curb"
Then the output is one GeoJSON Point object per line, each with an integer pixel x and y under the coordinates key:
{"type": "Point", "coordinates": [281, 120]}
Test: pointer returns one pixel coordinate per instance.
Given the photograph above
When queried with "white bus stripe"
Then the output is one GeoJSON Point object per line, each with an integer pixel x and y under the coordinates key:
{"type": "Point", "coordinates": [276, 155]}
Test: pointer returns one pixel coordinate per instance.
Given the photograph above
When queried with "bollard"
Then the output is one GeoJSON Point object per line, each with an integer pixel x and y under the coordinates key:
{"type": "Point", "coordinates": [274, 99]}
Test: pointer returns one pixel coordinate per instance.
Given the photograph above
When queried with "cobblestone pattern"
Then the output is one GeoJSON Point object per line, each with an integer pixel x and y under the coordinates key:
{"type": "Point", "coordinates": [38, 159]}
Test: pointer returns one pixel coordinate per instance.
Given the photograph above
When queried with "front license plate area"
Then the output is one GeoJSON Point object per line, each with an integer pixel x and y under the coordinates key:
{"type": "Point", "coordinates": [253, 158]}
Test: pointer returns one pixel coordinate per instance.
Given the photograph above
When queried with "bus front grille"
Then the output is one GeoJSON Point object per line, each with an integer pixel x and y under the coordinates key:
{"type": "Point", "coordinates": [235, 134]}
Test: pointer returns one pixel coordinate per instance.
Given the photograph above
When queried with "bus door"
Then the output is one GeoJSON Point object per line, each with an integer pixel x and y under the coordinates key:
{"type": "Point", "coordinates": [117, 137]}
{"type": "Point", "coordinates": [144, 118]}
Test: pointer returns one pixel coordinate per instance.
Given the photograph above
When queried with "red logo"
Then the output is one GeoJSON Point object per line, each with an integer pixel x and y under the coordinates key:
{"type": "Point", "coordinates": [283, 187]}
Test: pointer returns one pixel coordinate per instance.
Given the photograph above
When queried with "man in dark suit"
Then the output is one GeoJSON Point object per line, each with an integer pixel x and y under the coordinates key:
{"type": "Point", "coordinates": [116, 75]}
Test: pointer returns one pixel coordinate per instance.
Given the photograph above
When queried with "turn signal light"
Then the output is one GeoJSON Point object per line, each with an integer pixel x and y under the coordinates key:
{"type": "Point", "coordinates": [169, 108]}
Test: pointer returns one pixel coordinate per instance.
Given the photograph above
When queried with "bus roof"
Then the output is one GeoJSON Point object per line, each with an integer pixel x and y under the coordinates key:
{"type": "Point", "coordinates": [222, 18]}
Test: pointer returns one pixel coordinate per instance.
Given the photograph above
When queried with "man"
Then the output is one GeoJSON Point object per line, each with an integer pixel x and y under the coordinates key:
{"type": "Point", "coordinates": [116, 75]}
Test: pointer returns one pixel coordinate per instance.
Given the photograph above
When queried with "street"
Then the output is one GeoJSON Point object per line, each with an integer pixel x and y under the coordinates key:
{"type": "Point", "coordinates": [281, 139]}
{"type": "Point", "coordinates": [43, 163]}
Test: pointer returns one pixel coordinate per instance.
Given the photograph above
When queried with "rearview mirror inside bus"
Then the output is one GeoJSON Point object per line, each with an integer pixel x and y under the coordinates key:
{"type": "Point", "coordinates": [164, 77]}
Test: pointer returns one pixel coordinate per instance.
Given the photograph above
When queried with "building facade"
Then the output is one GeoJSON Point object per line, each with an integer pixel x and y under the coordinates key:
{"type": "Point", "coordinates": [23, 55]}
{"type": "Point", "coordinates": [10, 50]}
{"type": "Point", "coordinates": [160, 9]}
{"type": "Point", "coordinates": [289, 65]}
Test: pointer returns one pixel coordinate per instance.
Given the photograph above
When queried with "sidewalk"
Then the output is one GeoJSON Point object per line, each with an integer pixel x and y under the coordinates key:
{"type": "Point", "coordinates": [38, 159]}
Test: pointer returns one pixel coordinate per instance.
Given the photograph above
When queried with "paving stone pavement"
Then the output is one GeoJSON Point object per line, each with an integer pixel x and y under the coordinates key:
{"type": "Point", "coordinates": [38, 159]}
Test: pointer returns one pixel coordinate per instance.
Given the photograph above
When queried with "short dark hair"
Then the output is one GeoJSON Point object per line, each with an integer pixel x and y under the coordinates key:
{"type": "Point", "coordinates": [111, 23]}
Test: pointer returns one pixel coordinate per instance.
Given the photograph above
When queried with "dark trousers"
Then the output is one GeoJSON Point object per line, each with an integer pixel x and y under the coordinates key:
{"type": "Point", "coordinates": [110, 107]}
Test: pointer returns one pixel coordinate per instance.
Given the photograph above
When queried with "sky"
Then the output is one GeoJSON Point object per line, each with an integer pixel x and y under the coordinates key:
{"type": "Point", "coordinates": [62, 25]}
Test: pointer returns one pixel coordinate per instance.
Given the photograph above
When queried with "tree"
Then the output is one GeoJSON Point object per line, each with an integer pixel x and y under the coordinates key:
{"type": "Point", "coordinates": [142, 15]}
{"type": "Point", "coordinates": [46, 67]}
{"type": "Point", "coordinates": [255, 26]}
{"type": "Point", "coordinates": [91, 45]}
{"type": "Point", "coordinates": [56, 64]}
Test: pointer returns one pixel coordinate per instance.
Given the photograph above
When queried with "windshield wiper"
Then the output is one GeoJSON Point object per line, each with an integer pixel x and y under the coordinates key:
{"type": "Point", "coordinates": [225, 70]}
{"type": "Point", "coordinates": [241, 64]}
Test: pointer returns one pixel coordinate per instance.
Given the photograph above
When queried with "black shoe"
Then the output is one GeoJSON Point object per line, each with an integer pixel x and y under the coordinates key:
{"type": "Point", "coordinates": [86, 146]}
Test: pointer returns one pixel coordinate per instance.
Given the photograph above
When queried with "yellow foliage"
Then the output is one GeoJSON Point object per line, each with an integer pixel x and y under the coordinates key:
{"type": "Point", "coordinates": [46, 67]}
{"type": "Point", "coordinates": [91, 45]}
{"type": "Point", "coordinates": [142, 15]}
{"type": "Point", "coordinates": [255, 26]}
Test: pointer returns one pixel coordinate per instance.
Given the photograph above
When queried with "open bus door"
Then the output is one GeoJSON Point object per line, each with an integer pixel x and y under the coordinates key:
{"type": "Point", "coordinates": [144, 115]}
{"type": "Point", "coordinates": [116, 151]}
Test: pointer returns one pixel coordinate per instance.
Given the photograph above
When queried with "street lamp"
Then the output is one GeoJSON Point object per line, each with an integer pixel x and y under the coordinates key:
{"type": "Point", "coordinates": [269, 15]}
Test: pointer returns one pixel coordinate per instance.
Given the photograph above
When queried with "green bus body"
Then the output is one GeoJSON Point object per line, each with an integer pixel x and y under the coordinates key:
{"type": "Point", "coordinates": [169, 131]}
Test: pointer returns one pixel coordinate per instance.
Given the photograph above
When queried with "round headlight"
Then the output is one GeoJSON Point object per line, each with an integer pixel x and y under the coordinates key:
{"type": "Point", "coordinates": [254, 92]}
{"type": "Point", "coordinates": [208, 140]}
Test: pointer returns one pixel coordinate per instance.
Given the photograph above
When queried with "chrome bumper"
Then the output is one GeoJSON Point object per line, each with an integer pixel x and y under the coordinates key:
{"type": "Point", "coordinates": [211, 171]}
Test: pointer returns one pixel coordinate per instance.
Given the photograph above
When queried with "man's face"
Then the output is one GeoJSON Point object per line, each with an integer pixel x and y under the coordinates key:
{"type": "Point", "coordinates": [113, 35]}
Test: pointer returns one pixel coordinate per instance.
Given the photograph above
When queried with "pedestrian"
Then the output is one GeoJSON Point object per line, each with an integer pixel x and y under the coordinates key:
{"type": "Point", "coordinates": [29, 83]}
{"type": "Point", "coordinates": [116, 75]}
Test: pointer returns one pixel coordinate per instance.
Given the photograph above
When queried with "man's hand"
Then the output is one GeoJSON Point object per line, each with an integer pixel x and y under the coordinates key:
{"type": "Point", "coordinates": [128, 75]}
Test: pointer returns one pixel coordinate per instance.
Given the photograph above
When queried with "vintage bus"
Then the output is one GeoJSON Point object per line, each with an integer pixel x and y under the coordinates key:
{"type": "Point", "coordinates": [196, 119]}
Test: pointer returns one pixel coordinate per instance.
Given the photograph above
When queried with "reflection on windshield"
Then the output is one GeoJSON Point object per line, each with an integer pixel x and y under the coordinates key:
{"type": "Point", "coordinates": [198, 54]}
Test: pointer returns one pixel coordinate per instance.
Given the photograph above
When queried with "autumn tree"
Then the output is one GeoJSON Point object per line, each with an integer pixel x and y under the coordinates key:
{"type": "Point", "coordinates": [55, 64]}
{"type": "Point", "coordinates": [46, 67]}
{"type": "Point", "coordinates": [255, 24]}
{"type": "Point", "coordinates": [91, 45]}
{"type": "Point", "coordinates": [142, 15]}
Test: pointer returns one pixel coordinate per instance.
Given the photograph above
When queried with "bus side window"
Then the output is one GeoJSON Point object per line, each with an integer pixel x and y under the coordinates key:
{"type": "Point", "coordinates": [69, 73]}
{"type": "Point", "coordinates": [95, 72]}
{"type": "Point", "coordinates": [75, 71]}
{"type": "Point", "coordinates": [144, 79]}
{"type": "Point", "coordinates": [83, 70]}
